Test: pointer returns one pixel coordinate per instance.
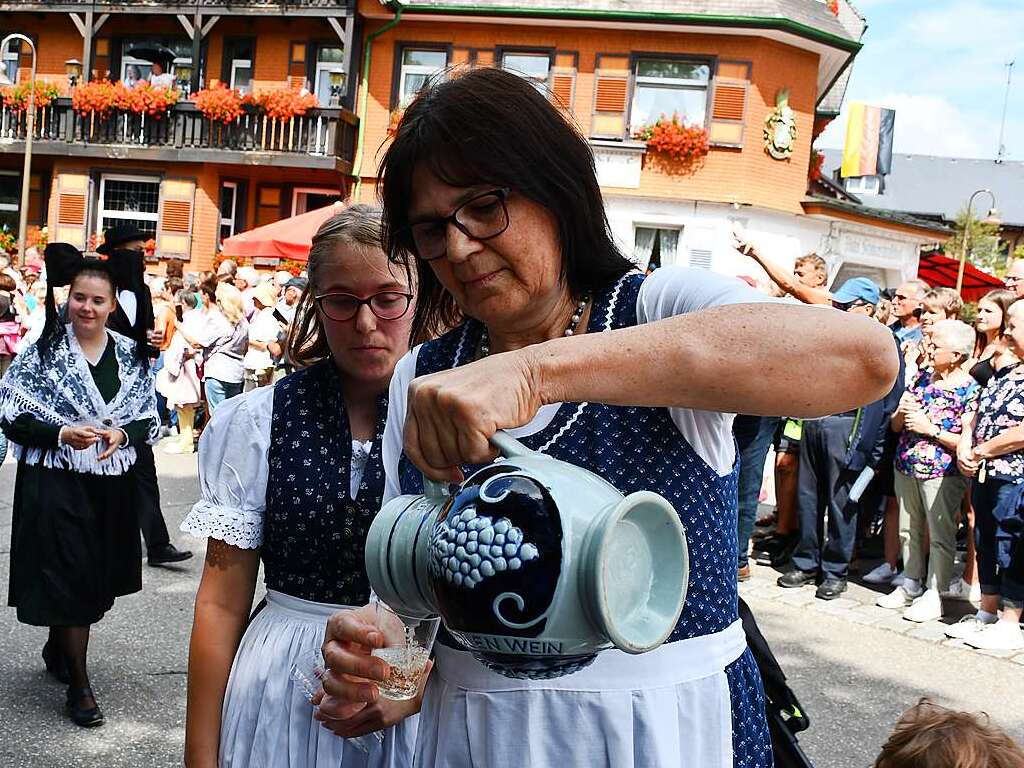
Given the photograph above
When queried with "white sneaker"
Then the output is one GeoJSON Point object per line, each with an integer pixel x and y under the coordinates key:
{"type": "Point", "coordinates": [928, 607]}
{"type": "Point", "coordinates": [882, 574]}
{"type": "Point", "coordinates": [998, 636]}
{"type": "Point", "coordinates": [967, 626]}
{"type": "Point", "coordinates": [898, 598]}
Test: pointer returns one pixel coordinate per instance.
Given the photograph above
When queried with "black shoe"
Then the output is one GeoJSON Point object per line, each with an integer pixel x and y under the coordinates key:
{"type": "Point", "coordinates": [774, 550]}
{"type": "Point", "coordinates": [166, 553]}
{"type": "Point", "coordinates": [86, 717]}
{"type": "Point", "coordinates": [55, 663]}
{"type": "Point", "coordinates": [830, 589]}
{"type": "Point", "coordinates": [797, 578]}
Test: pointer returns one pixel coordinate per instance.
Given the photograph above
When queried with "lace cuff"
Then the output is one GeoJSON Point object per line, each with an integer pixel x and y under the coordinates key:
{"type": "Point", "coordinates": [238, 527]}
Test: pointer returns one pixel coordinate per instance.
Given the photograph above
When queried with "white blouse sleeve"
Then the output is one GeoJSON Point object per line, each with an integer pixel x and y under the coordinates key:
{"type": "Point", "coordinates": [672, 291]}
{"type": "Point", "coordinates": [233, 471]}
{"type": "Point", "coordinates": [394, 428]}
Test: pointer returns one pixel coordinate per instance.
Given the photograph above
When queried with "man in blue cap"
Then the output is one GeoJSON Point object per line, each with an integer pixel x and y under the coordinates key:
{"type": "Point", "coordinates": [833, 453]}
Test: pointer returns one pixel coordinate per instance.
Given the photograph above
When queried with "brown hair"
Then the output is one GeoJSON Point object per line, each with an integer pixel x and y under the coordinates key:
{"type": "Point", "coordinates": [1002, 299]}
{"type": "Point", "coordinates": [946, 299]}
{"type": "Point", "coordinates": [930, 736]}
{"type": "Point", "coordinates": [7, 283]}
{"type": "Point", "coordinates": [816, 262]}
{"type": "Point", "coordinates": [357, 226]}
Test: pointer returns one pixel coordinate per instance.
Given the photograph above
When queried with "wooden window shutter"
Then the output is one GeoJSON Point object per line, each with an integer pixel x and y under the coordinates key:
{"type": "Point", "coordinates": [563, 88]}
{"type": "Point", "coordinates": [174, 227]}
{"type": "Point", "coordinates": [101, 58]}
{"type": "Point", "coordinates": [71, 205]}
{"type": "Point", "coordinates": [729, 103]}
{"type": "Point", "coordinates": [611, 97]}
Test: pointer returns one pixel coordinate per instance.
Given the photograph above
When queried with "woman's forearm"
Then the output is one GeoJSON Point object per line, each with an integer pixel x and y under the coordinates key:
{"type": "Point", "coordinates": [1008, 441]}
{"type": "Point", "coordinates": [761, 359]}
{"type": "Point", "coordinates": [215, 637]}
{"type": "Point", "coordinates": [222, 609]}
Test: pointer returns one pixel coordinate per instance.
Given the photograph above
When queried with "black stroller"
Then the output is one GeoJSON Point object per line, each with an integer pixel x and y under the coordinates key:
{"type": "Point", "coordinates": [786, 717]}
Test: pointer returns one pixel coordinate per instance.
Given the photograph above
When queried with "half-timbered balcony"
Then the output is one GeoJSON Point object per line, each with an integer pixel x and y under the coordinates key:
{"type": "Point", "coordinates": [322, 138]}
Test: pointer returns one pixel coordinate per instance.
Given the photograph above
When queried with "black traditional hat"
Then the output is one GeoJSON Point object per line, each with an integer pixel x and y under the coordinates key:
{"type": "Point", "coordinates": [118, 236]}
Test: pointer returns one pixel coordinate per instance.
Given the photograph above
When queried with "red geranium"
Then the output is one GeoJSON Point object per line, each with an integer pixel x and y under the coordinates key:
{"type": "Point", "coordinates": [219, 103]}
{"type": "Point", "coordinates": [16, 96]}
{"type": "Point", "coordinates": [283, 104]}
{"type": "Point", "coordinates": [674, 139]}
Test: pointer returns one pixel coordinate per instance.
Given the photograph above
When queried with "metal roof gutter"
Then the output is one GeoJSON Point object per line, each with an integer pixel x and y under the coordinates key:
{"type": "Point", "coordinates": [694, 19]}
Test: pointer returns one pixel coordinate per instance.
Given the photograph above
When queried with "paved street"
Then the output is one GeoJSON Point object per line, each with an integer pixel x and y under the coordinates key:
{"type": "Point", "coordinates": [852, 668]}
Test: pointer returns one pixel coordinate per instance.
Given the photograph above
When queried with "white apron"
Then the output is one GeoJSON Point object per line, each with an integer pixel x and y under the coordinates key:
{"type": "Point", "coordinates": [267, 722]}
{"type": "Point", "coordinates": [669, 708]}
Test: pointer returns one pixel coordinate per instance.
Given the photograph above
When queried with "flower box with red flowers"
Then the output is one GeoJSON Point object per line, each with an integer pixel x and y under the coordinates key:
{"type": "Point", "coordinates": [674, 139]}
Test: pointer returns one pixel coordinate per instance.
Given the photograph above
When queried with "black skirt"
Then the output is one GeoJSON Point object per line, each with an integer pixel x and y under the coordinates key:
{"type": "Point", "coordinates": [74, 545]}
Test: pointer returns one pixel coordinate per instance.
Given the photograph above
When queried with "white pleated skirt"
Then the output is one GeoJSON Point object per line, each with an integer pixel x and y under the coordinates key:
{"type": "Point", "coordinates": [267, 721]}
{"type": "Point", "coordinates": [669, 708]}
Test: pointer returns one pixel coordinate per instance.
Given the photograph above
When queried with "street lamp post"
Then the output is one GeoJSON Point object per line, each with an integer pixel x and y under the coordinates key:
{"type": "Point", "coordinates": [992, 218]}
{"type": "Point", "coordinates": [30, 125]}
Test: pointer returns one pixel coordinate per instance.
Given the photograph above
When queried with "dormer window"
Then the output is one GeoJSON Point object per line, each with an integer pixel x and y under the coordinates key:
{"type": "Point", "coordinates": [864, 185]}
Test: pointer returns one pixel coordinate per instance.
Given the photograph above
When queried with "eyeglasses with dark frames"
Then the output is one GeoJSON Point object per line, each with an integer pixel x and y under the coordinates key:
{"type": "Point", "coordinates": [386, 305]}
{"type": "Point", "coordinates": [482, 217]}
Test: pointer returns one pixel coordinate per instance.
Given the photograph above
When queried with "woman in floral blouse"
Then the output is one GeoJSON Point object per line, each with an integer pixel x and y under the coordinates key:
{"type": "Point", "coordinates": [992, 451]}
{"type": "Point", "coordinates": [930, 420]}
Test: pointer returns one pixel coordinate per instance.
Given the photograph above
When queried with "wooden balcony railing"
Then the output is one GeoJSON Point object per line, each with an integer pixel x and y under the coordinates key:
{"type": "Point", "coordinates": [318, 138]}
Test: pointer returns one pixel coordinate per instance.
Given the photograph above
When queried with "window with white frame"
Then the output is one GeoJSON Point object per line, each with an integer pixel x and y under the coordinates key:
{"type": "Point", "coordinates": [418, 66]}
{"type": "Point", "coordinates": [534, 67]}
{"type": "Point", "coordinates": [239, 55]}
{"type": "Point", "coordinates": [667, 87]}
{"type": "Point", "coordinates": [864, 185]}
{"type": "Point", "coordinates": [329, 77]}
{"type": "Point", "coordinates": [128, 200]}
{"type": "Point", "coordinates": [655, 247]}
{"type": "Point", "coordinates": [134, 68]}
{"type": "Point", "coordinates": [228, 208]}
{"type": "Point", "coordinates": [305, 199]}
{"type": "Point", "coordinates": [11, 55]}
{"type": "Point", "coordinates": [10, 199]}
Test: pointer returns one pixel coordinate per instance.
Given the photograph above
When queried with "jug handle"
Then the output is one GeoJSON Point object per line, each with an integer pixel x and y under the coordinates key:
{"type": "Point", "coordinates": [503, 441]}
{"type": "Point", "coordinates": [508, 445]}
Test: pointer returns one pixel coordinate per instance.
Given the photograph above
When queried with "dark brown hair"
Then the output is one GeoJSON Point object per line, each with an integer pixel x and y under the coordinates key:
{"type": "Point", "coordinates": [488, 126]}
{"type": "Point", "coordinates": [7, 283]}
{"type": "Point", "coordinates": [930, 736]}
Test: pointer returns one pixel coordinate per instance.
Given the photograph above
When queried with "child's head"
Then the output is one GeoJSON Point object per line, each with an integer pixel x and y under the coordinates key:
{"type": "Point", "coordinates": [930, 736]}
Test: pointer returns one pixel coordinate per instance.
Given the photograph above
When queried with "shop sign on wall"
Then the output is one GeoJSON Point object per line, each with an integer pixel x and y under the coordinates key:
{"type": "Point", "coordinates": [618, 166]}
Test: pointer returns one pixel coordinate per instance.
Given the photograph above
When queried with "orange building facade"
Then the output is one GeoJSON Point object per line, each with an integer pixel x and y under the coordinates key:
{"type": "Point", "coordinates": [761, 77]}
{"type": "Point", "coordinates": [615, 72]}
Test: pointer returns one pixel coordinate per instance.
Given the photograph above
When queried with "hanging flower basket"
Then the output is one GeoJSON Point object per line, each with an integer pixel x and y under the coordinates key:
{"type": "Point", "coordinates": [282, 104]}
{"type": "Point", "coordinates": [676, 142]}
{"type": "Point", "coordinates": [100, 97]}
{"type": "Point", "coordinates": [219, 104]}
{"type": "Point", "coordinates": [8, 242]}
{"type": "Point", "coordinates": [16, 96]}
{"type": "Point", "coordinates": [833, 5]}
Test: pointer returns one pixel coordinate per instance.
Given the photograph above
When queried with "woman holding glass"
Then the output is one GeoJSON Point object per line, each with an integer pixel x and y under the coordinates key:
{"type": "Point", "coordinates": [292, 474]}
{"type": "Point", "coordinates": [557, 339]}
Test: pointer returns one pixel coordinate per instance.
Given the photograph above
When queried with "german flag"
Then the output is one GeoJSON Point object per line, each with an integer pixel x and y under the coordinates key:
{"type": "Point", "coordinates": [868, 150]}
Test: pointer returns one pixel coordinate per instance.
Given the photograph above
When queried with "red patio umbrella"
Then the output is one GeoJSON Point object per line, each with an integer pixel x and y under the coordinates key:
{"type": "Point", "coordinates": [941, 271]}
{"type": "Point", "coordinates": [285, 239]}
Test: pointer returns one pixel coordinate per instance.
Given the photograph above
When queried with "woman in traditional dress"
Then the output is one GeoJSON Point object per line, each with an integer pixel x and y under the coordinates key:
{"type": "Point", "coordinates": [74, 405]}
{"type": "Point", "coordinates": [556, 338]}
{"type": "Point", "coordinates": [292, 474]}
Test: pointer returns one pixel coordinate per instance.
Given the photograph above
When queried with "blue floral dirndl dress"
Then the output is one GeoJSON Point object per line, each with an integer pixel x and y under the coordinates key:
{"type": "Point", "coordinates": [634, 449]}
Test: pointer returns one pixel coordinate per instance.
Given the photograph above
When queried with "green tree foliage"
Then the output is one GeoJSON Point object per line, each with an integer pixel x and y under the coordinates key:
{"type": "Point", "coordinates": [982, 244]}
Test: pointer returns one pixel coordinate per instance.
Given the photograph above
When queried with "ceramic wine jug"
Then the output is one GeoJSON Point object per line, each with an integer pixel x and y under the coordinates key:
{"type": "Point", "coordinates": [533, 564]}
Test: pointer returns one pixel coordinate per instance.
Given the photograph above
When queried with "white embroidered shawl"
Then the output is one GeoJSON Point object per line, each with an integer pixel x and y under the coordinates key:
{"type": "Point", "coordinates": [61, 391]}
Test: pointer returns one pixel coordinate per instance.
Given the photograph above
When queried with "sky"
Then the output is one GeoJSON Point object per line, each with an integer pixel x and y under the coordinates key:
{"type": "Point", "coordinates": [941, 64]}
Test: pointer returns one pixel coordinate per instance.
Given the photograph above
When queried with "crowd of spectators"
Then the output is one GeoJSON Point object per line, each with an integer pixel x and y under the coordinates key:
{"type": "Point", "coordinates": [935, 468]}
{"type": "Point", "coordinates": [218, 334]}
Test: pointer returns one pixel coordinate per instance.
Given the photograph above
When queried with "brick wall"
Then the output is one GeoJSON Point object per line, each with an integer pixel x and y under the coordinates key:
{"type": "Point", "coordinates": [746, 176]}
